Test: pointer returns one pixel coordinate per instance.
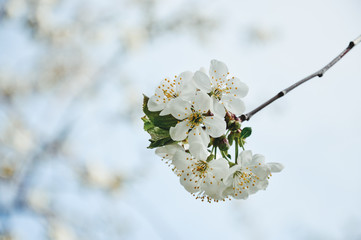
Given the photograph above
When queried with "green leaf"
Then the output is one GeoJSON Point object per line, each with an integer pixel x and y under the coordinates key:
{"type": "Point", "coordinates": [157, 133]}
{"type": "Point", "coordinates": [160, 142]}
{"type": "Point", "coordinates": [159, 137]}
{"type": "Point", "coordinates": [164, 122]}
{"type": "Point", "coordinates": [241, 143]}
{"type": "Point", "coordinates": [246, 132]}
{"type": "Point", "coordinates": [147, 123]}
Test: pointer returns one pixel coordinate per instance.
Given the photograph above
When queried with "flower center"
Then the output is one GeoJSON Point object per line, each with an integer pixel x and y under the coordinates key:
{"type": "Point", "coordinates": [168, 88]}
{"type": "Point", "coordinates": [217, 93]}
{"type": "Point", "coordinates": [195, 119]}
{"type": "Point", "coordinates": [170, 93]}
{"type": "Point", "coordinates": [201, 166]}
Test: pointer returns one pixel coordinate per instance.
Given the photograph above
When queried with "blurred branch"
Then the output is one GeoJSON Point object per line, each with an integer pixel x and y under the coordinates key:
{"type": "Point", "coordinates": [48, 146]}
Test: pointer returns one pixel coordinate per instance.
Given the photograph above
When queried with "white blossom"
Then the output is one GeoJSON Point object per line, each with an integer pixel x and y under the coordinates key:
{"type": "Point", "coordinates": [249, 175]}
{"type": "Point", "coordinates": [195, 124]}
{"type": "Point", "coordinates": [199, 177]}
{"type": "Point", "coordinates": [225, 92]}
{"type": "Point", "coordinates": [167, 153]}
{"type": "Point", "coordinates": [169, 89]}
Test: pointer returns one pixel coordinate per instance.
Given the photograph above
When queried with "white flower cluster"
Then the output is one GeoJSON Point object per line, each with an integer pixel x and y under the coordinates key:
{"type": "Point", "coordinates": [189, 117]}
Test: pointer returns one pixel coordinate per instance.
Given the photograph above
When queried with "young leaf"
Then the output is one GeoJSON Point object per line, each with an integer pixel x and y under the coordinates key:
{"type": "Point", "coordinates": [164, 122]}
{"type": "Point", "coordinates": [159, 136]}
{"type": "Point", "coordinates": [246, 132]}
{"type": "Point", "coordinates": [147, 123]}
{"type": "Point", "coordinates": [160, 142]}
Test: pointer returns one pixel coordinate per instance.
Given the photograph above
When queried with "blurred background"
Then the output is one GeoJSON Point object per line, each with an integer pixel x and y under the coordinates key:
{"type": "Point", "coordinates": [73, 157]}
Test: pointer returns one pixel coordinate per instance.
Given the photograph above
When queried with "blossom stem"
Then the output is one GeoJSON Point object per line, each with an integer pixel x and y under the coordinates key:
{"type": "Point", "coordinates": [224, 156]}
{"type": "Point", "coordinates": [319, 73]}
{"type": "Point", "coordinates": [236, 150]}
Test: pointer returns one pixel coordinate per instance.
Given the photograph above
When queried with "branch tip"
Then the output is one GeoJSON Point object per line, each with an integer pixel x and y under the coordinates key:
{"type": "Point", "coordinates": [247, 116]}
{"type": "Point", "coordinates": [357, 40]}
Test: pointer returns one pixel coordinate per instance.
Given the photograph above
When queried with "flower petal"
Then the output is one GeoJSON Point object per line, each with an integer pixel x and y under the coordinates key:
{"type": "Point", "coordinates": [258, 158]}
{"type": "Point", "coordinates": [214, 189]}
{"type": "Point", "coordinates": [219, 168]}
{"type": "Point", "coordinates": [181, 160]}
{"type": "Point", "coordinates": [197, 134]}
{"type": "Point", "coordinates": [155, 104]}
{"type": "Point", "coordinates": [180, 108]}
{"type": "Point", "coordinates": [186, 89]}
{"type": "Point", "coordinates": [218, 70]}
{"type": "Point", "coordinates": [229, 179]}
{"type": "Point", "coordinates": [234, 105]}
{"type": "Point", "coordinates": [215, 126]}
{"type": "Point", "coordinates": [188, 184]}
{"type": "Point", "coordinates": [218, 108]}
{"type": "Point", "coordinates": [245, 158]}
{"type": "Point", "coordinates": [202, 102]}
{"type": "Point", "coordinates": [237, 88]}
{"type": "Point", "coordinates": [275, 167]}
{"type": "Point", "coordinates": [262, 185]}
{"type": "Point", "coordinates": [167, 108]}
{"type": "Point", "coordinates": [168, 151]}
{"type": "Point", "coordinates": [199, 150]}
{"type": "Point", "coordinates": [182, 80]}
{"type": "Point", "coordinates": [179, 132]}
{"type": "Point", "coordinates": [202, 81]}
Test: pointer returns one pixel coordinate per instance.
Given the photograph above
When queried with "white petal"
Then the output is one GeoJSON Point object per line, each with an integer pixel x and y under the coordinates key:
{"type": "Point", "coordinates": [219, 168]}
{"type": "Point", "coordinates": [190, 186]}
{"type": "Point", "coordinates": [245, 158]}
{"type": "Point", "coordinates": [215, 126]}
{"type": "Point", "coordinates": [240, 194]}
{"type": "Point", "coordinates": [218, 70]}
{"type": "Point", "coordinates": [262, 185]}
{"type": "Point", "coordinates": [203, 70]}
{"type": "Point", "coordinates": [237, 88]}
{"type": "Point", "coordinates": [261, 171]}
{"type": "Point", "coordinates": [154, 105]}
{"type": "Point", "coordinates": [202, 102]}
{"type": "Point", "coordinates": [179, 132]}
{"type": "Point", "coordinates": [186, 89]}
{"type": "Point", "coordinates": [253, 189]}
{"type": "Point", "coordinates": [214, 190]}
{"type": "Point", "coordinates": [180, 108]}
{"type": "Point", "coordinates": [182, 80]}
{"type": "Point", "coordinates": [202, 81]}
{"type": "Point", "coordinates": [234, 105]}
{"type": "Point", "coordinates": [199, 150]}
{"type": "Point", "coordinates": [168, 151]}
{"type": "Point", "coordinates": [258, 158]}
{"type": "Point", "coordinates": [218, 108]}
{"type": "Point", "coordinates": [167, 108]}
{"type": "Point", "coordinates": [275, 167]}
{"type": "Point", "coordinates": [197, 134]}
{"type": "Point", "coordinates": [181, 160]}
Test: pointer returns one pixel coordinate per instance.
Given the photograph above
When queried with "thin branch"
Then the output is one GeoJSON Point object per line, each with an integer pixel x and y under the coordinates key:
{"type": "Point", "coordinates": [319, 73]}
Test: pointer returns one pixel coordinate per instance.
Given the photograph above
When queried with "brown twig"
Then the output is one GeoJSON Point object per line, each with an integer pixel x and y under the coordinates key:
{"type": "Point", "coordinates": [319, 73]}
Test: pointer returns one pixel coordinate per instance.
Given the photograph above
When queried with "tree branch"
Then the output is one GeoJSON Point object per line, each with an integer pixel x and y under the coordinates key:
{"type": "Point", "coordinates": [319, 73]}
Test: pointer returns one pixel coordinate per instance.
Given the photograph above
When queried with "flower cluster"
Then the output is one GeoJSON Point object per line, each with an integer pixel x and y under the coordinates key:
{"type": "Point", "coordinates": [191, 117]}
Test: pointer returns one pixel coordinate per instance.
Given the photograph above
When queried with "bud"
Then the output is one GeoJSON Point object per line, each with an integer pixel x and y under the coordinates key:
{"type": "Point", "coordinates": [228, 117]}
{"type": "Point", "coordinates": [236, 125]}
{"type": "Point", "coordinates": [210, 158]}
{"type": "Point", "coordinates": [222, 143]}
{"type": "Point", "coordinates": [231, 137]}
{"type": "Point", "coordinates": [230, 124]}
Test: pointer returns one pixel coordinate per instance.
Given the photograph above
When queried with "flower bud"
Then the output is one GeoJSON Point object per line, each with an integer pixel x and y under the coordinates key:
{"type": "Point", "coordinates": [230, 124]}
{"type": "Point", "coordinates": [231, 138]}
{"type": "Point", "coordinates": [223, 143]}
